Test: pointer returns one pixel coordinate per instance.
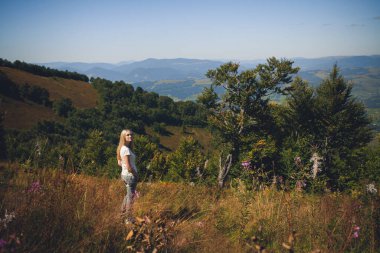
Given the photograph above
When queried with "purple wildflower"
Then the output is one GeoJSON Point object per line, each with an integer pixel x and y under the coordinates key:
{"type": "Point", "coordinates": [356, 230]}
{"type": "Point", "coordinates": [246, 164]}
{"type": "Point", "coordinates": [35, 187]}
{"type": "Point", "coordinates": [3, 243]}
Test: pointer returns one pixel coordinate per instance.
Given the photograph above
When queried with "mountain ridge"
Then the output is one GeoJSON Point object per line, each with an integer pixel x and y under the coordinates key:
{"type": "Point", "coordinates": [197, 68]}
{"type": "Point", "coordinates": [158, 74]}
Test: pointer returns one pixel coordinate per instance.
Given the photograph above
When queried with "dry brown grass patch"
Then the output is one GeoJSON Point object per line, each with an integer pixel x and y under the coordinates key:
{"type": "Point", "coordinates": [81, 93]}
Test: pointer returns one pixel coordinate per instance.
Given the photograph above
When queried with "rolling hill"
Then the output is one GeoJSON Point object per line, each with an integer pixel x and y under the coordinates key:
{"type": "Point", "coordinates": [25, 114]}
{"type": "Point", "coordinates": [19, 114]}
{"type": "Point", "coordinates": [184, 79]}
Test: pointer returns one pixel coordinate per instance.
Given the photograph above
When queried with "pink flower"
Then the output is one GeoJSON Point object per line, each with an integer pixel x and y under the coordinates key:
{"type": "Point", "coordinates": [356, 230]}
{"type": "Point", "coordinates": [35, 187]}
{"type": "Point", "coordinates": [246, 164]}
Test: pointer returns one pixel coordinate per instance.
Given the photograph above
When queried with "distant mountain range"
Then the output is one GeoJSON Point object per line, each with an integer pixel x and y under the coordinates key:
{"type": "Point", "coordinates": [139, 71]}
{"type": "Point", "coordinates": [185, 78]}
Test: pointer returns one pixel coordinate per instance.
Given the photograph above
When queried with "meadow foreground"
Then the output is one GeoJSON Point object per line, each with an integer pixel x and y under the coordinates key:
{"type": "Point", "coordinates": [50, 211]}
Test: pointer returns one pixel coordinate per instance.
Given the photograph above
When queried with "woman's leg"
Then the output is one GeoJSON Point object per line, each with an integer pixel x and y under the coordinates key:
{"type": "Point", "coordinates": [130, 185]}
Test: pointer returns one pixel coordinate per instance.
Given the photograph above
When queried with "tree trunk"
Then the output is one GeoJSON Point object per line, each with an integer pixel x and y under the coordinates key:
{"type": "Point", "coordinates": [224, 169]}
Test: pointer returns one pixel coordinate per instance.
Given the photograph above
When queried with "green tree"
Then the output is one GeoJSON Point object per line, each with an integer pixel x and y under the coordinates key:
{"type": "Point", "coordinates": [158, 165]}
{"type": "Point", "coordinates": [208, 98]}
{"type": "Point", "coordinates": [371, 166]}
{"type": "Point", "coordinates": [245, 107]}
{"type": "Point", "coordinates": [63, 107]}
{"type": "Point", "coordinates": [36, 94]}
{"type": "Point", "coordinates": [8, 88]}
{"type": "Point", "coordinates": [144, 150]}
{"type": "Point", "coordinates": [343, 126]}
{"type": "Point", "coordinates": [298, 122]}
{"type": "Point", "coordinates": [301, 114]}
{"type": "Point", "coordinates": [81, 122]}
{"type": "Point", "coordinates": [3, 146]}
{"type": "Point", "coordinates": [92, 155]}
{"type": "Point", "coordinates": [331, 122]}
{"type": "Point", "coordinates": [185, 160]}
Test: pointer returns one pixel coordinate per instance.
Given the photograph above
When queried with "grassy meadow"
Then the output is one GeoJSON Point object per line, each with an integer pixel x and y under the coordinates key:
{"type": "Point", "coordinates": [50, 211]}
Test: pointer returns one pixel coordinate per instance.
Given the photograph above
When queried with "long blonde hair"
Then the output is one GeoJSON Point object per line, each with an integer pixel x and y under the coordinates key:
{"type": "Point", "coordinates": [122, 142]}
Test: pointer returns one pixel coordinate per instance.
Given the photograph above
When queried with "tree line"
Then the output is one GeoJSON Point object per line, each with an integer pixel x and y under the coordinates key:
{"type": "Point", "coordinates": [314, 139]}
{"type": "Point", "coordinates": [42, 70]}
{"type": "Point", "coordinates": [25, 91]}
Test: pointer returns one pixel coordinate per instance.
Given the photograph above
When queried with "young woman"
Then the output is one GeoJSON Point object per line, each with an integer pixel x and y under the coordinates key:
{"type": "Point", "coordinates": [127, 160]}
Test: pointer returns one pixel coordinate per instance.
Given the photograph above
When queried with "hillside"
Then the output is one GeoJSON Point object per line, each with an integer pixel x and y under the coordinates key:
{"type": "Point", "coordinates": [171, 140]}
{"type": "Point", "coordinates": [24, 114]}
{"type": "Point", "coordinates": [81, 93]}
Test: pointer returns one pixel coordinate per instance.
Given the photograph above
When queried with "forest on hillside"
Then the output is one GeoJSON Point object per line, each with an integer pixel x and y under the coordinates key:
{"type": "Point", "coordinates": [316, 139]}
{"type": "Point", "coordinates": [42, 71]}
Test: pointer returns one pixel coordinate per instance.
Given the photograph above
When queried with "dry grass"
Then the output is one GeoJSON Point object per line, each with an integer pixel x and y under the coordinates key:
{"type": "Point", "coordinates": [24, 115]}
{"type": "Point", "coordinates": [81, 93]}
{"type": "Point", "coordinates": [76, 213]}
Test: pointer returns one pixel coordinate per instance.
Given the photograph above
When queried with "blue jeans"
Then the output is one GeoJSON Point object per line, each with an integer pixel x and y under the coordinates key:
{"type": "Point", "coordinates": [130, 183]}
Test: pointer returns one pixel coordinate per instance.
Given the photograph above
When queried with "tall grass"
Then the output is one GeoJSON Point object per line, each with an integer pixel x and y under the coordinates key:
{"type": "Point", "coordinates": [57, 212]}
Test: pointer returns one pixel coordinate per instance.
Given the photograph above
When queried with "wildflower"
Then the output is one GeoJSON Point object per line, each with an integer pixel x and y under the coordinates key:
{"type": "Point", "coordinates": [298, 161]}
{"type": "Point", "coordinates": [300, 184]}
{"type": "Point", "coordinates": [7, 218]}
{"type": "Point", "coordinates": [356, 230]}
{"type": "Point", "coordinates": [199, 224]}
{"type": "Point", "coordinates": [246, 164]}
{"type": "Point", "coordinates": [35, 187]}
{"type": "Point", "coordinates": [3, 243]}
{"type": "Point", "coordinates": [371, 189]}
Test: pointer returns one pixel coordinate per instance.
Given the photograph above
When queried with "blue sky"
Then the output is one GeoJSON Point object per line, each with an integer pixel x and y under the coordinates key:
{"type": "Point", "coordinates": [113, 31]}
